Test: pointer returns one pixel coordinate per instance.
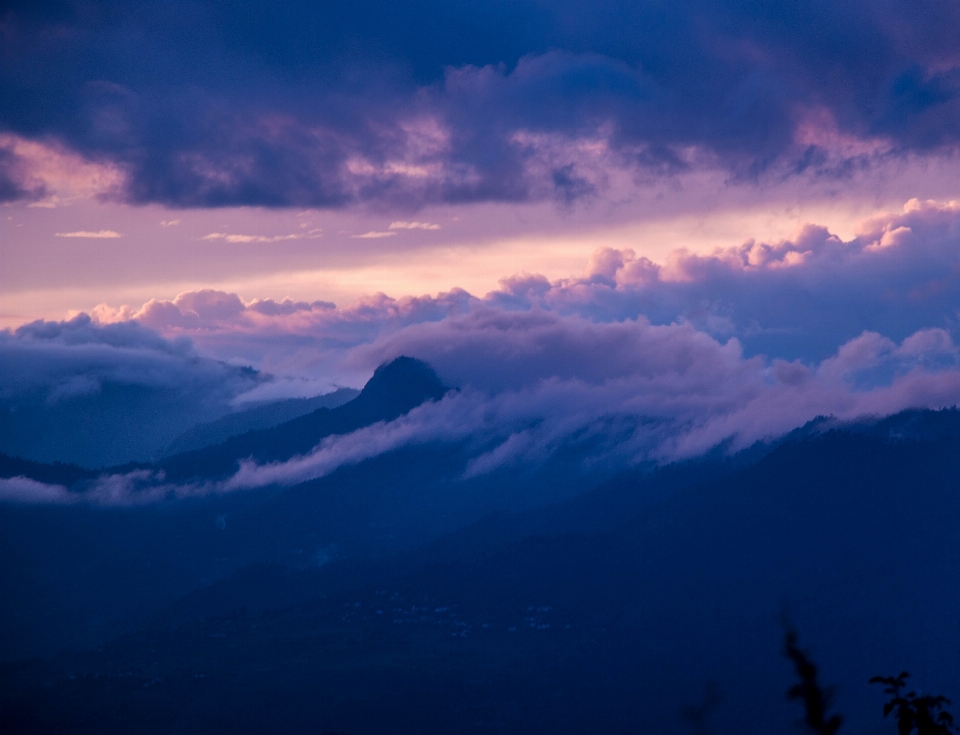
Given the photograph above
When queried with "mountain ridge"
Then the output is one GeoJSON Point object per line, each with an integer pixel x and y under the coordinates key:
{"type": "Point", "coordinates": [394, 389]}
{"type": "Point", "coordinates": [262, 416]}
{"type": "Point", "coordinates": [607, 610]}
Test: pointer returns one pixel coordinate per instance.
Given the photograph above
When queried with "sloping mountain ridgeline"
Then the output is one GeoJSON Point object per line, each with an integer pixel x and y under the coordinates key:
{"type": "Point", "coordinates": [58, 473]}
{"type": "Point", "coordinates": [125, 561]}
{"type": "Point", "coordinates": [394, 596]}
{"type": "Point", "coordinates": [393, 390]}
{"type": "Point", "coordinates": [256, 417]}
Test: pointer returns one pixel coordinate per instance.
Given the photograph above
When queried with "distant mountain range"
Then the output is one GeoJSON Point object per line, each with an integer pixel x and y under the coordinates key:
{"type": "Point", "coordinates": [396, 596]}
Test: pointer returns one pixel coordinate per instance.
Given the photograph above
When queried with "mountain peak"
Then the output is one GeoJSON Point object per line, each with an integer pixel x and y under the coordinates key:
{"type": "Point", "coordinates": [395, 388]}
{"type": "Point", "coordinates": [405, 379]}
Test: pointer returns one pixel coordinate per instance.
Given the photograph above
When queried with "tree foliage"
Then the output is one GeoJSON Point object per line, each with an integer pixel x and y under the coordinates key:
{"type": "Point", "coordinates": [924, 714]}
{"type": "Point", "coordinates": [815, 698]}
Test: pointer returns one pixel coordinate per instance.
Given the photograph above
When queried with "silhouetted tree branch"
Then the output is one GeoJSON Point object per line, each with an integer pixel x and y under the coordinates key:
{"type": "Point", "coordinates": [925, 714]}
{"type": "Point", "coordinates": [816, 699]}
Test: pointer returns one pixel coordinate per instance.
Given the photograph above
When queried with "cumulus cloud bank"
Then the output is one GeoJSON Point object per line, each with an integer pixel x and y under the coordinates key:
{"type": "Point", "coordinates": [52, 356]}
{"type": "Point", "coordinates": [795, 299]}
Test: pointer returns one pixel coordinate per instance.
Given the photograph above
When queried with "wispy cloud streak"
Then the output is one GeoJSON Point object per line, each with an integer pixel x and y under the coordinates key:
{"type": "Point", "coordinates": [98, 235]}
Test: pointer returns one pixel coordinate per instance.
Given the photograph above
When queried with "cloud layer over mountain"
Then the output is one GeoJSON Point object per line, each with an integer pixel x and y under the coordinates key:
{"type": "Point", "coordinates": [99, 394]}
{"type": "Point", "coordinates": [642, 361]}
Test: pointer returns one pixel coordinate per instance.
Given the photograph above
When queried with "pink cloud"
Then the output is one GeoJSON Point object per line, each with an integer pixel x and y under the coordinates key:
{"type": "Point", "coordinates": [98, 235]}
{"type": "Point", "coordinates": [400, 225]}
{"type": "Point", "coordinates": [50, 175]}
{"type": "Point", "coordinates": [796, 298]}
{"type": "Point", "coordinates": [373, 235]}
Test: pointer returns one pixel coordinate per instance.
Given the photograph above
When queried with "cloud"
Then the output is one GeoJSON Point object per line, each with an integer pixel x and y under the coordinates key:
{"type": "Point", "coordinates": [685, 395]}
{"type": "Point", "coordinates": [311, 235]}
{"type": "Point", "coordinates": [693, 395]}
{"type": "Point", "coordinates": [413, 226]}
{"type": "Point", "coordinates": [169, 223]}
{"type": "Point", "coordinates": [128, 489]}
{"type": "Point", "coordinates": [48, 174]}
{"type": "Point", "coordinates": [75, 357]}
{"type": "Point", "coordinates": [645, 361]}
{"type": "Point", "coordinates": [287, 338]}
{"type": "Point", "coordinates": [373, 235]}
{"type": "Point", "coordinates": [485, 103]}
{"type": "Point", "coordinates": [101, 394]}
{"type": "Point", "coordinates": [797, 298]}
{"type": "Point", "coordinates": [209, 309]}
{"type": "Point", "coordinates": [25, 490]}
{"type": "Point", "coordinates": [100, 234]}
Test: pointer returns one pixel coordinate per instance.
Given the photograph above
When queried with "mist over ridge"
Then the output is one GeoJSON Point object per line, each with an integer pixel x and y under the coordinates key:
{"type": "Point", "coordinates": [646, 579]}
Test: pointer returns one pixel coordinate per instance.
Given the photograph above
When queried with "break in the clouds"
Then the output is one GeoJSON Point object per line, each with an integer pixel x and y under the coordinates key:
{"type": "Point", "coordinates": [213, 104]}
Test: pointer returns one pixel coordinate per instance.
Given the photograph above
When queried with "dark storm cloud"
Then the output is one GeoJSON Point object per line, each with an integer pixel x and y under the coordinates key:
{"type": "Point", "coordinates": [328, 104]}
{"type": "Point", "coordinates": [12, 186]}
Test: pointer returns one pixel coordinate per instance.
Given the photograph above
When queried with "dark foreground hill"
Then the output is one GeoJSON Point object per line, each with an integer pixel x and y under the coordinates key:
{"type": "Point", "coordinates": [608, 612]}
{"type": "Point", "coordinates": [78, 574]}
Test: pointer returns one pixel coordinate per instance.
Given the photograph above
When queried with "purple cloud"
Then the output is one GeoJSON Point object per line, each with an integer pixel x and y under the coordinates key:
{"type": "Point", "coordinates": [495, 102]}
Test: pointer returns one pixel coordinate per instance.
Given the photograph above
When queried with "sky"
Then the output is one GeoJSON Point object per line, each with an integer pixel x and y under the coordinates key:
{"type": "Point", "coordinates": [731, 217]}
